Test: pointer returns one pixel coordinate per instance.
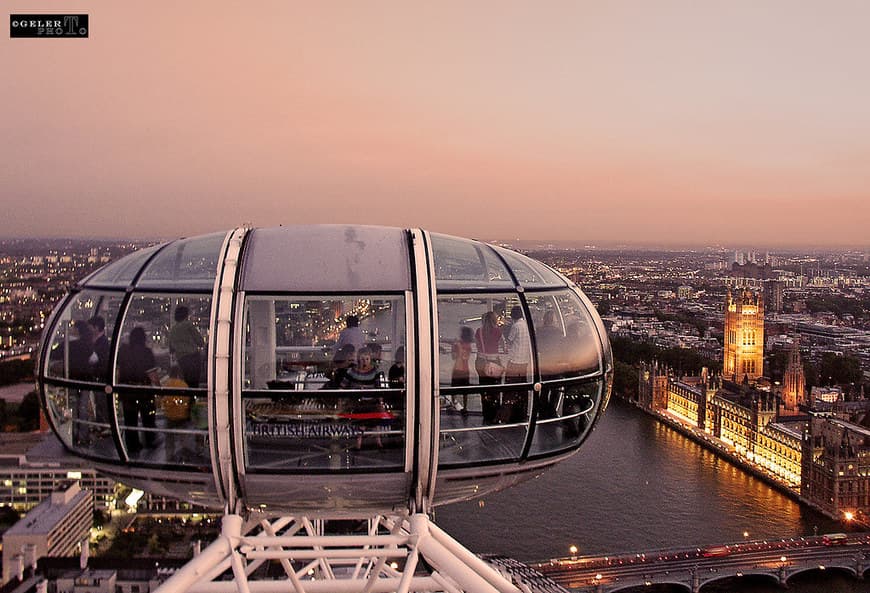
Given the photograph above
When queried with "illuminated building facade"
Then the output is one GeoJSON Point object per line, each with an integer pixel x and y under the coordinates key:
{"type": "Point", "coordinates": [826, 460]}
{"type": "Point", "coordinates": [24, 486]}
{"type": "Point", "coordinates": [740, 417]}
{"type": "Point", "coordinates": [31, 468]}
{"type": "Point", "coordinates": [744, 336]}
{"type": "Point", "coordinates": [836, 467]}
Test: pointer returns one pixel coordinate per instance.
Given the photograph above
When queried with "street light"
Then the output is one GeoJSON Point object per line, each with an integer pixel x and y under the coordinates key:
{"type": "Point", "coordinates": [745, 535]}
{"type": "Point", "coordinates": [849, 515]}
{"type": "Point", "coordinates": [573, 550]}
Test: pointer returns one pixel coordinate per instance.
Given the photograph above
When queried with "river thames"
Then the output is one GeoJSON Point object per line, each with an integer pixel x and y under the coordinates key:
{"type": "Point", "coordinates": [635, 485]}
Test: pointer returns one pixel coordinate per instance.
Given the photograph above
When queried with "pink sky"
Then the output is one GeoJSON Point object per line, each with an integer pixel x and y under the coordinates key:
{"type": "Point", "coordinates": [731, 122]}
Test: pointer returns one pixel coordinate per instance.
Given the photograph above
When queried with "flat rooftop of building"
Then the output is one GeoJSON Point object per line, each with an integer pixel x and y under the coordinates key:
{"type": "Point", "coordinates": [46, 515]}
{"type": "Point", "coordinates": [19, 443]}
{"type": "Point", "coordinates": [49, 450]}
{"type": "Point", "coordinates": [89, 573]}
{"type": "Point", "coordinates": [795, 428]}
{"type": "Point", "coordinates": [849, 426]}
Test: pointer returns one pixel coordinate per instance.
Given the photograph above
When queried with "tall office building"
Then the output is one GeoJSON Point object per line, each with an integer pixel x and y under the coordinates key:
{"type": "Point", "coordinates": [744, 336]}
{"type": "Point", "coordinates": [773, 291]}
{"type": "Point", "coordinates": [55, 527]}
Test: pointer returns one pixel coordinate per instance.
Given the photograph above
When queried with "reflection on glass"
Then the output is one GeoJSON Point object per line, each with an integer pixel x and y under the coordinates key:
{"type": "Point", "coordinates": [60, 409]}
{"type": "Point", "coordinates": [482, 344]}
{"type": "Point", "coordinates": [565, 413]}
{"type": "Point", "coordinates": [332, 431]}
{"type": "Point", "coordinates": [78, 415]}
{"type": "Point", "coordinates": [460, 263]}
{"type": "Point", "coordinates": [564, 334]}
{"type": "Point", "coordinates": [471, 346]}
{"type": "Point", "coordinates": [120, 273]}
{"type": "Point", "coordinates": [530, 273]}
{"type": "Point", "coordinates": [79, 348]}
{"type": "Point", "coordinates": [176, 332]}
{"type": "Point", "coordinates": [185, 264]}
{"type": "Point", "coordinates": [334, 371]}
{"type": "Point", "coordinates": [184, 419]}
{"type": "Point", "coordinates": [133, 407]}
{"type": "Point", "coordinates": [309, 343]}
{"type": "Point", "coordinates": [164, 428]}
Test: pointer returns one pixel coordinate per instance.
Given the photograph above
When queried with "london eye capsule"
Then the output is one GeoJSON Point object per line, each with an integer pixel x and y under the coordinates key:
{"type": "Point", "coordinates": [335, 370]}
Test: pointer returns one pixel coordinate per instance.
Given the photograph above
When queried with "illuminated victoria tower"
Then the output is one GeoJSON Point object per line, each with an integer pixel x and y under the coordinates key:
{"type": "Point", "coordinates": [744, 336]}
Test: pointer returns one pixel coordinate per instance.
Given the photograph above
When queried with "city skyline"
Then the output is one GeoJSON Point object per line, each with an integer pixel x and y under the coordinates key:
{"type": "Point", "coordinates": [663, 124]}
{"type": "Point", "coordinates": [657, 306]}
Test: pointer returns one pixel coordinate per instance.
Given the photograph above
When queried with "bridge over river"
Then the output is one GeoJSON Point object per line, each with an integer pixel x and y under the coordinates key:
{"type": "Point", "coordinates": [693, 568]}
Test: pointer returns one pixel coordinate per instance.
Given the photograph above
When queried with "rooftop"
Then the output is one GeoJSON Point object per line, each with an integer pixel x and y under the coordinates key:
{"type": "Point", "coordinates": [44, 517]}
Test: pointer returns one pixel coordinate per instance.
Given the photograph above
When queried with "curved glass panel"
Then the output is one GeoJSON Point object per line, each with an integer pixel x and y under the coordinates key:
{"type": "Point", "coordinates": [460, 264]}
{"type": "Point", "coordinates": [325, 383]}
{"type": "Point", "coordinates": [290, 432]}
{"type": "Point", "coordinates": [529, 272]}
{"type": "Point", "coordinates": [480, 345]}
{"type": "Point", "coordinates": [120, 273]}
{"type": "Point", "coordinates": [171, 337]}
{"type": "Point", "coordinates": [163, 344]}
{"type": "Point", "coordinates": [565, 414]}
{"type": "Point", "coordinates": [163, 426]}
{"type": "Point", "coordinates": [79, 348]}
{"type": "Point", "coordinates": [137, 418]}
{"type": "Point", "coordinates": [326, 258]}
{"type": "Point", "coordinates": [77, 415]}
{"type": "Point", "coordinates": [484, 425]}
{"type": "Point", "coordinates": [602, 331]}
{"type": "Point", "coordinates": [474, 342]}
{"type": "Point", "coordinates": [185, 264]}
{"type": "Point", "coordinates": [565, 336]}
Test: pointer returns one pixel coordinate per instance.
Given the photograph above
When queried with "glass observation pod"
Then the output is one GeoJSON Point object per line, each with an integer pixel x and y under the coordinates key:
{"type": "Point", "coordinates": [324, 369]}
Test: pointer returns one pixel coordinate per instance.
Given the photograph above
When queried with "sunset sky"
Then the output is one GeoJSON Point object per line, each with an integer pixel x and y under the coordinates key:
{"type": "Point", "coordinates": [734, 122]}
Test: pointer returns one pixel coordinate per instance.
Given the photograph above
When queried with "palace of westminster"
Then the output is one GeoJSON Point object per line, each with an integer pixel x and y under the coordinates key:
{"type": "Point", "coordinates": [817, 448]}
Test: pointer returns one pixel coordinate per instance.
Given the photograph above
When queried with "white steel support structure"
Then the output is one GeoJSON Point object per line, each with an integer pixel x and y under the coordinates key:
{"type": "Point", "coordinates": [220, 370]}
{"type": "Point", "coordinates": [400, 554]}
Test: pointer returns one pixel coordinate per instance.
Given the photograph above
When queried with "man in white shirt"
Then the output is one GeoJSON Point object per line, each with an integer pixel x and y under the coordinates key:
{"type": "Point", "coordinates": [519, 353]}
{"type": "Point", "coordinates": [352, 334]}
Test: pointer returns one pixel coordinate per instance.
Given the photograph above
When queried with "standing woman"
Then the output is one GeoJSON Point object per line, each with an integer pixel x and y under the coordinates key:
{"type": "Point", "coordinates": [461, 372]}
{"type": "Point", "coordinates": [488, 363]}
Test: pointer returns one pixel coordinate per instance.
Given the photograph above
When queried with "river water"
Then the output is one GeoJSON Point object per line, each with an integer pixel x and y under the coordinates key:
{"type": "Point", "coordinates": [635, 485]}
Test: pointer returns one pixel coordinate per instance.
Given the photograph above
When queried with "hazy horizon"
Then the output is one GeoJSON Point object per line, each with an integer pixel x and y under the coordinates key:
{"type": "Point", "coordinates": [667, 123]}
{"type": "Point", "coordinates": [528, 244]}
